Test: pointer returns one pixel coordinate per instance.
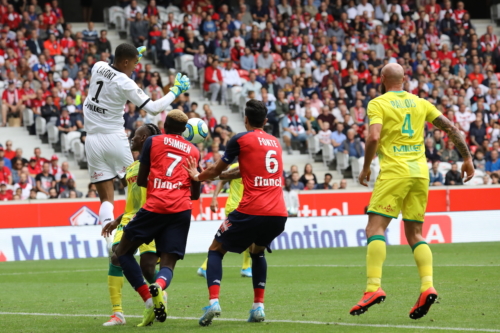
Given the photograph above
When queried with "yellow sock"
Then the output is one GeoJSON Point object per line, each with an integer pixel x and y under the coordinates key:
{"type": "Point", "coordinates": [423, 258]}
{"type": "Point", "coordinates": [204, 265]}
{"type": "Point", "coordinates": [247, 261]}
{"type": "Point", "coordinates": [375, 257]}
{"type": "Point", "coordinates": [115, 285]}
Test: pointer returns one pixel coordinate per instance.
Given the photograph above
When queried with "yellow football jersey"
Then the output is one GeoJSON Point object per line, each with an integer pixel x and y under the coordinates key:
{"type": "Point", "coordinates": [136, 195]}
{"type": "Point", "coordinates": [401, 147]}
{"type": "Point", "coordinates": [235, 192]}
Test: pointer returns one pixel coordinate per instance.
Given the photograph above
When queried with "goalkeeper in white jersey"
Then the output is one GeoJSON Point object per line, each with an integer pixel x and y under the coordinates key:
{"type": "Point", "coordinates": [107, 146]}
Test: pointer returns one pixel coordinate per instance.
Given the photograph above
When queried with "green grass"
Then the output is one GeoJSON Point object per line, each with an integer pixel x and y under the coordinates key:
{"type": "Point", "coordinates": [468, 294]}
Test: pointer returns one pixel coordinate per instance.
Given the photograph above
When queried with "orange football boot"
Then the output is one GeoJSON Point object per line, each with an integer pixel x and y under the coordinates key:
{"type": "Point", "coordinates": [369, 299]}
{"type": "Point", "coordinates": [424, 302]}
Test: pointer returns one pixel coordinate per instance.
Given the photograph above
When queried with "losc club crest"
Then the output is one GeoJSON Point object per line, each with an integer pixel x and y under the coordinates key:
{"type": "Point", "coordinates": [84, 216]}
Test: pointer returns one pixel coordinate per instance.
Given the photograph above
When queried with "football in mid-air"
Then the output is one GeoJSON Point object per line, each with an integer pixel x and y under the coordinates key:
{"type": "Point", "coordinates": [196, 130]}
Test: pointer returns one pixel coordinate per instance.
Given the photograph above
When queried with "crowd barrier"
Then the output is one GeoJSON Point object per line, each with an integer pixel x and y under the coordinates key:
{"type": "Point", "coordinates": [300, 233]}
{"type": "Point", "coordinates": [50, 213]}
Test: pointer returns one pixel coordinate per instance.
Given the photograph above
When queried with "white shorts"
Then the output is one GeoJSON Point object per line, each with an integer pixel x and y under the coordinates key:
{"type": "Point", "coordinates": [108, 156]}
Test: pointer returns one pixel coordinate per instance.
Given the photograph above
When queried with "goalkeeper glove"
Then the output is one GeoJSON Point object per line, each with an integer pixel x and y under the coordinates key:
{"type": "Point", "coordinates": [181, 85]}
{"type": "Point", "coordinates": [141, 50]}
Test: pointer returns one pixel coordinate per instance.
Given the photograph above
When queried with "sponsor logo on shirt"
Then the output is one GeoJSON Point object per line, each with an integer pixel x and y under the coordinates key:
{"type": "Point", "coordinates": [259, 181]}
{"type": "Point", "coordinates": [407, 148]}
{"type": "Point", "coordinates": [97, 175]}
{"type": "Point", "coordinates": [95, 108]}
{"type": "Point", "coordinates": [158, 183]}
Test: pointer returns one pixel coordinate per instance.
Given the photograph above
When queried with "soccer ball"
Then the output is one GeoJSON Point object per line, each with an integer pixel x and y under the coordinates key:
{"type": "Point", "coordinates": [196, 130]}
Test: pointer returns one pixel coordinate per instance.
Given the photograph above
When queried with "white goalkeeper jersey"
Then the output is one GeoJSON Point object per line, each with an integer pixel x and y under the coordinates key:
{"type": "Point", "coordinates": [109, 90]}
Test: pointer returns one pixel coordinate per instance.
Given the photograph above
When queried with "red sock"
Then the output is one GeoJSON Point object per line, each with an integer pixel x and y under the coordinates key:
{"type": "Point", "coordinates": [144, 292]}
{"type": "Point", "coordinates": [162, 283]}
{"type": "Point", "coordinates": [258, 295]}
{"type": "Point", "coordinates": [214, 291]}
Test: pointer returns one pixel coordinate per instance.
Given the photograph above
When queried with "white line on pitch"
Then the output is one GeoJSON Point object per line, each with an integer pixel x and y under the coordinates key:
{"type": "Point", "coordinates": [274, 321]}
{"type": "Point", "coordinates": [347, 266]}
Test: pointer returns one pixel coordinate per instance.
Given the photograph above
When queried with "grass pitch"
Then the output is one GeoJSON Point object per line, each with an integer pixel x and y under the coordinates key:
{"type": "Point", "coordinates": [307, 291]}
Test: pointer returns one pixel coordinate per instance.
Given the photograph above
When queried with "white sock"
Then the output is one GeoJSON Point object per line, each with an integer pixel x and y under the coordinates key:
{"type": "Point", "coordinates": [212, 301]}
{"type": "Point", "coordinates": [256, 305]}
{"type": "Point", "coordinates": [148, 303]}
{"type": "Point", "coordinates": [106, 213]}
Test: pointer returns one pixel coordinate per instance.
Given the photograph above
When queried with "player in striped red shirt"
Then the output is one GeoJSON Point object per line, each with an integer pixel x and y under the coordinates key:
{"type": "Point", "coordinates": [261, 214]}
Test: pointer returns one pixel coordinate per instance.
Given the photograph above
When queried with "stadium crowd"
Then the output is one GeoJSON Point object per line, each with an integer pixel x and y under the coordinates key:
{"type": "Point", "coordinates": [314, 63]}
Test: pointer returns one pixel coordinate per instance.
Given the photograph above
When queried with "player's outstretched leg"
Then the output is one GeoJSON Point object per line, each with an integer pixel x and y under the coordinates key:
{"type": "Point", "coordinates": [214, 277]}
{"type": "Point", "coordinates": [375, 258]}
{"type": "Point", "coordinates": [246, 269]}
{"type": "Point", "coordinates": [428, 295]}
{"type": "Point", "coordinates": [132, 271]}
{"type": "Point", "coordinates": [202, 271]}
{"type": "Point", "coordinates": [259, 269]}
{"type": "Point", "coordinates": [163, 280]}
{"type": "Point", "coordinates": [115, 286]}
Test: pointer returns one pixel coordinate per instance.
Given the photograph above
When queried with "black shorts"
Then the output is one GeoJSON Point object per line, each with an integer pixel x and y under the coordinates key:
{"type": "Point", "coordinates": [239, 231]}
{"type": "Point", "coordinates": [169, 231]}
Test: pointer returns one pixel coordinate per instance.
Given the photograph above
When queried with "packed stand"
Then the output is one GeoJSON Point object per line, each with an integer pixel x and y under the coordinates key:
{"type": "Point", "coordinates": [317, 66]}
{"type": "Point", "coordinates": [37, 177]}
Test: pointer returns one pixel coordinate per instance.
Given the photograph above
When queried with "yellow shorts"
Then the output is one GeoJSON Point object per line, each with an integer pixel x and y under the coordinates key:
{"type": "Point", "coordinates": [151, 247]}
{"type": "Point", "coordinates": [391, 196]}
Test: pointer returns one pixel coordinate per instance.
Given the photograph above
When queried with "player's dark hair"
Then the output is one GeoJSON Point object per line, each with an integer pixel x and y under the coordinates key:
{"type": "Point", "coordinates": [256, 113]}
{"type": "Point", "coordinates": [125, 51]}
{"type": "Point", "coordinates": [153, 129]}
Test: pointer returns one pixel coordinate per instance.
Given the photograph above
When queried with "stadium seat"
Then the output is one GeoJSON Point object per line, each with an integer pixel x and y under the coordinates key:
{"type": "Point", "coordinates": [28, 117]}
{"type": "Point", "coordinates": [356, 166]}
{"type": "Point", "coordinates": [41, 196]}
{"type": "Point", "coordinates": [173, 9]}
{"type": "Point", "coordinates": [78, 152]}
{"type": "Point", "coordinates": [113, 13]}
{"type": "Point", "coordinates": [328, 155]}
{"type": "Point", "coordinates": [475, 181]}
{"type": "Point", "coordinates": [312, 146]}
{"type": "Point", "coordinates": [444, 167]}
{"type": "Point", "coordinates": [53, 134]}
{"type": "Point", "coordinates": [192, 72]}
{"type": "Point", "coordinates": [66, 141]}
{"type": "Point", "coordinates": [40, 126]}
{"type": "Point", "coordinates": [342, 162]}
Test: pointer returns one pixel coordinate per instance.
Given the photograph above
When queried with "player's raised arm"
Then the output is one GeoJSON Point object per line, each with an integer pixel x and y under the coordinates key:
{"type": "Point", "coordinates": [139, 98]}
{"type": "Point", "coordinates": [230, 174]}
{"type": "Point", "coordinates": [455, 136]}
{"type": "Point", "coordinates": [210, 173]}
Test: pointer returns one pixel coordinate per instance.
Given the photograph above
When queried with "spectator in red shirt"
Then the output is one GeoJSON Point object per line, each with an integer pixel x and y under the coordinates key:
{"type": "Point", "coordinates": [476, 74]}
{"type": "Point", "coordinates": [5, 194]}
{"type": "Point", "coordinates": [8, 152]}
{"type": "Point", "coordinates": [53, 45]}
{"type": "Point", "coordinates": [48, 17]}
{"type": "Point", "coordinates": [237, 51]}
{"type": "Point", "coordinates": [213, 82]}
{"type": "Point", "coordinates": [178, 42]}
{"type": "Point", "coordinates": [38, 157]}
{"type": "Point", "coordinates": [150, 10]}
{"type": "Point", "coordinates": [38, 102]}
{"type": "Point", "coordinates": [54, 168]}
{"type": "Point", "coordinates": [208, 187]}
{"type": "Point", "coordinates": [209, 118]}
{"type": "Point", "coordinates": [57, 11]}
{"type": "Point", "coordinates": [11, 18]}
{"type": "Point", "coordinates": [5, 174]}
{"type": "Point", "coordinates": [11, 103]}
{"type": "Point", "coordinates": [33, 167]}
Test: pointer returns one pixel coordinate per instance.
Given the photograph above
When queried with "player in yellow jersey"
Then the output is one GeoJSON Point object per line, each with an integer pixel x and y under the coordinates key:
{"type": "Point", "coordinates": [235, 194]}
{"type": "Point", "coordinates": [136, 197]}
{"type": "Point", "coordinates": [396, 133]}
